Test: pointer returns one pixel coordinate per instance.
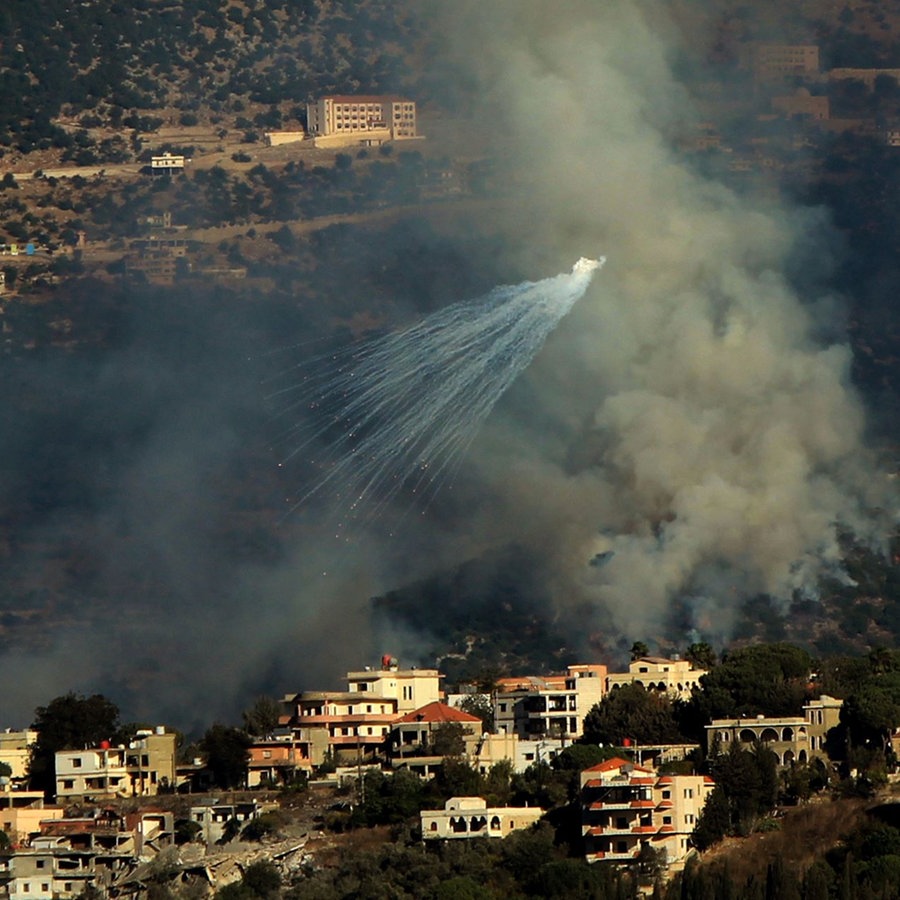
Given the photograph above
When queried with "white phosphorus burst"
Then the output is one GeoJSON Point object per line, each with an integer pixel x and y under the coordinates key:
{"type": "Point", "coordinates": [399, 410]}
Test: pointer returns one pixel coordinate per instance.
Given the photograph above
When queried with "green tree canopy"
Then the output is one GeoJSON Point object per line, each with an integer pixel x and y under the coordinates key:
{"type": "Point", "coordinates": [764, 679]}
{"type": "Point", "coordinates": [225, 749]}
{"type": "Point", "coordinates": [261, 719]}
{"type": "Point", "coordinates": [632, 713]}
{"type": "Point", "coordinates": [70, 722]}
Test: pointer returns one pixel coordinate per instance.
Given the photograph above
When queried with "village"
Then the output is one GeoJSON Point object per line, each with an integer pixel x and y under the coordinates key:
{"type": "Point", "coordinates": [390, 719]}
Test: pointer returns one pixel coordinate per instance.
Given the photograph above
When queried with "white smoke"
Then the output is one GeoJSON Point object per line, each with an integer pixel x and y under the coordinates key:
{"type": "Point", "coordinates": [702, 433]}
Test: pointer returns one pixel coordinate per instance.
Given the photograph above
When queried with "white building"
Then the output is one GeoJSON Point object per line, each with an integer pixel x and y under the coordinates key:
{"type": "Point", "coordinates": [470, 817]}
{"type": "Point", "coordinates": [100, 772]}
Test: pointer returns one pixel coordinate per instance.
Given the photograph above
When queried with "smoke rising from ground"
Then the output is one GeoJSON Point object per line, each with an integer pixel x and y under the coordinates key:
{"type": "Point", "coordinates": [686, 426]}
{"type": "Point", "coordinates": [705, 437]}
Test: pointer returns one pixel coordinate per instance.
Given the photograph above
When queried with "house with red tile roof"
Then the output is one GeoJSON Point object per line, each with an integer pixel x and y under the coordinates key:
{"type": "Point", "coordinates": [413, 735]}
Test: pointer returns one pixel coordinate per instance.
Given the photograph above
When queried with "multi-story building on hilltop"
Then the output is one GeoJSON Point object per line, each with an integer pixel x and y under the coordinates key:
{"type": "Point", "coordinates": [355, 723]}
{"type": "Point", "coordinates": [627, 807]}
{"type": "Point", "coordinates": [791, 738]}
{"type": "Point", "coordinates": [552, 706]}
{"type": "Point", "coordinates": [339, 120]}
{"type": "Point", "coordinates": [675, 677]}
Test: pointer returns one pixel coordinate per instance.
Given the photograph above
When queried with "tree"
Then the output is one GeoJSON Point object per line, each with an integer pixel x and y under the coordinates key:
{"type": "Point", "coordinates": [480, 705]}
{"type": "Point", "coordinates": [448, 739]}
{"type": "Point", "coordinates": [261, 719]}
{"type": "Point", "coordinates": [225, 750]}
{"type": "Point", "coordinates": [714, 821]}
{"type": "Point", "coordinates": [631, 713]}
{"type": "Point", "coordinates": [638, 650]}
{"type": "Point", "coordinates": [701, 655]}
{"type": "Point", "coordinates": [749, 781]}
{"type": "Point", "coordinates": [70, 722]}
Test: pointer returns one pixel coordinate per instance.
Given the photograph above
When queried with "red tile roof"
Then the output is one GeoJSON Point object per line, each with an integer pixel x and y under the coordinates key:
{"type": "Point", "coordinates": [616, 763]}
{"type": "Point", "coordinates": [438, 712]}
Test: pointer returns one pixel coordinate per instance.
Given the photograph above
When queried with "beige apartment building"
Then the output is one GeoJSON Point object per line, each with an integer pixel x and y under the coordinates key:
{"type": "Point", "coordinates": [356, 723]}
{"type": "Point", "coordinates": [14, 751]}
{"type": "Point", "coordinates": [626, 807]}
{"type": "Point", "coordinates": [534, 707]}
{"type": "Point", "coordinates": [675, 677]}
{"type": "Point", "coordinates": [340, 120]}
{"type": "Point", "coordinates": [790, 738]}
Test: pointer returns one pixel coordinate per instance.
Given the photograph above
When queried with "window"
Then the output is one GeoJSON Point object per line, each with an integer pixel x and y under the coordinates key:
{"type": "Point", "coordinates": [368, 707]}
{"type": "Point", "coordinates": [503, 707]}
{"type": "Point", "coordinates": [667, 795]}
{"type": "Point", "coordinates": [667, 820]}
{"type": "Point", "coordinates": [68, 784]}
{"type": "Point", "coordinates": [41, 863]}
{"type": "Point", "coordinates": [76, 762]}
{"type": "Point", "coordinates": [688, 793]}
{"type": "Point", "coordinates": [267, 754]}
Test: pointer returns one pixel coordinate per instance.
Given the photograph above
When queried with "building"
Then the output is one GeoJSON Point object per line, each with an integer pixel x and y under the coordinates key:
{"type": "Point", "coordinates": [348, 724]}
{"type": "Point", "coordinates": [535, 708]}
{"type": "Point", "coordinates": [214, 817]}
{"type": "Point", "coordinates": [866, 76]}
{"type": "Point", "coordinates": [166, 164]}
{"type": "Point", "coordinates": [414, 732]}
{"type": "Point", "coordinates": [150, 762]}
{"type": "Point", "coordinates": [340, 120]}
{"type": "Point", "coordinates": [97, 773]}
{"type": "Point", "coordinates": [68, 855]}
{"type": "Point", "coordinates": [21, 814]}
{"type": "Point", "coordinates": [626, 808]}
{"type": "Point", "coordinates": [412, 688]}
{"type": "Point", "coordinates": [277, 138]}
{"type": "Point", "coordinates": [143, 768]}
{"type": "Point", "coordinates": [791, 738]}
{"type": "Point", "coordinates": [470, 817]}
{"type": "Point", "coordinates": [15, 745]}
{"type": "Point", "coordinates": [802, 103]}
{"type": "Point", "coordinates": [277, 760]}
{"type": "Point", "coordinates": [675, 677]}
{"type": "Point", "coordinates": [772, 62]}
{"type": "Point", "coordinates": [355, 724]}
{"type": "Point", "coordinates": [413, 736]}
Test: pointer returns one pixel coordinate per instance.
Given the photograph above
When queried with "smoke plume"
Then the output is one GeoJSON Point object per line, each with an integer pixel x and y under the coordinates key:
{"type": "Point", "coordinates": [695, 428]}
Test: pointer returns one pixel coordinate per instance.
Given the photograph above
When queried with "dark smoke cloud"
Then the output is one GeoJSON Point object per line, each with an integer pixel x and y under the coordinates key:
{"type": "Point", "coordinates": [688, 417]}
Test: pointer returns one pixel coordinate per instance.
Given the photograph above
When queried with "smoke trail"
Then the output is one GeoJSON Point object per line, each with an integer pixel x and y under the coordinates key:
{"type": "Point", "coordinates": [400, 410]}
